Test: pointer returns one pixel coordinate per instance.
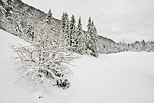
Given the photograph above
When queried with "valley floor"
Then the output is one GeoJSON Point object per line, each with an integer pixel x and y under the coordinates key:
{"type": "Point", "coordinates": [126, 77]}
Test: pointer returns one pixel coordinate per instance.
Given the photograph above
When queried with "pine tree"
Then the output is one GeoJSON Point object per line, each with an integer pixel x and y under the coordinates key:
{"type": "Point", "coordinates": [63, 22]}
{"type": "Point", "coordinates": [94, 37]}
{"type": "Point", "coordinates": [79, 39]}
{"type": "Point", "coordinates": [89, 30]}
{"type": "Point", "coordinates": [91, 42]}
{"type": "Point", "coordinates": [143, 45]}
{"type": "Point", "coordinates": [72, 35]}
{"type": "Point", "coordinates": [49, 16]}
{"type": "Point", "coordinates": [65, 25]}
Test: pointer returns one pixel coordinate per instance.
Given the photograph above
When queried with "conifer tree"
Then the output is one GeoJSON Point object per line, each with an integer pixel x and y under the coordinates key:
{"type": "Point", "coordinates": [72, 34]}
{"type": "Point", "coordinates": [65, 25]}
{"type": "Point", "coordinates": [49, 16]}
{"type": "Point", "coordinates": [64, 20]}
{"type": "Point", "coordinates": [79, 39]}
{"type": "Point", "coordinates": [94, 37]}
{"type": "Point", "coordinates": [91, 41]}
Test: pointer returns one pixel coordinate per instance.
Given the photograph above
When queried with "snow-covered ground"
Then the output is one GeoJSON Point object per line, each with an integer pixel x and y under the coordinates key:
{"type": "Point", "coordinates": [126, 77]}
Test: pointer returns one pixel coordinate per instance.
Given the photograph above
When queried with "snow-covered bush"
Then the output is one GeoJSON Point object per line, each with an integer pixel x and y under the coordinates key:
{"type": "Point", "coordinates": [44, 60]}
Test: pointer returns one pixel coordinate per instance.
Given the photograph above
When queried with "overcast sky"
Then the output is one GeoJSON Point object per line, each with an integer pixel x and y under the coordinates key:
{"type": "Point", "coordinates": [120, 20]}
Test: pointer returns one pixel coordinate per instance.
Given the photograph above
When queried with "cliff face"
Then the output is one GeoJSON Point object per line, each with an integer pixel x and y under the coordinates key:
{"type": "Point", "coordinates": [17, 18]}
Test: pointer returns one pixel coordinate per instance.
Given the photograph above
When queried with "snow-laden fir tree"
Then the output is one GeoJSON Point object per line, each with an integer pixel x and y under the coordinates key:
{"type": "Point", "coordinates": [43, 61]}
{"type": "Point", "coordinates": [79, 38]}
{"type": "Point", "coordinates": [94, 37]}
{"type": "Point", "coordinates": [143, 45]}
{"type": "Point", "coordinates": [65, 26]}
{"type": "Point", "coordinates": [92, 42]}
{"type": "Point", "coordinates": [64, 20]}
{"type": "Point", "coordinates": [49, 17]}
{"type": "Point", "coordinates": [72, 34]}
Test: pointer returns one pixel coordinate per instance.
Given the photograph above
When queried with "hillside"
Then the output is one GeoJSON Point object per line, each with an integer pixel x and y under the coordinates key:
{"type": "Point", "coordinates": [104, 39]}
{"type": "Point", "coordinates": [114, 78]}
{"type": "Point", "coordinates": [17, 17]}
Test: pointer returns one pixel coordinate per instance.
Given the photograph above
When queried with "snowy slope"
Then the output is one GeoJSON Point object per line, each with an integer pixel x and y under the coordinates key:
{"type": "Point", "coordinates": [9, 91]}
{"type": "Point", "coordinates": [126, 77]}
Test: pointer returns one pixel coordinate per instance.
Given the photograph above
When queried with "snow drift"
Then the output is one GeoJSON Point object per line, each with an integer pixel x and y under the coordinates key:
{"type": "Point", "coordinates": [126, 77]}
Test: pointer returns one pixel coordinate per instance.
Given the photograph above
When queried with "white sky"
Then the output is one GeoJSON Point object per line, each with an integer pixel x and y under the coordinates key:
{"type": "Point", "coordinates": [120, 20]}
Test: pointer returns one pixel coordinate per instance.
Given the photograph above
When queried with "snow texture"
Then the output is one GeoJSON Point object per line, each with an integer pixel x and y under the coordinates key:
{"type": "Point", "coordinates": [111, 78]}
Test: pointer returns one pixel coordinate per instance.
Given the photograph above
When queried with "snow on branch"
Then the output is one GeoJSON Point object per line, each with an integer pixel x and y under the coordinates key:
{"type": "Point", "coordinates": [44, 59]}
